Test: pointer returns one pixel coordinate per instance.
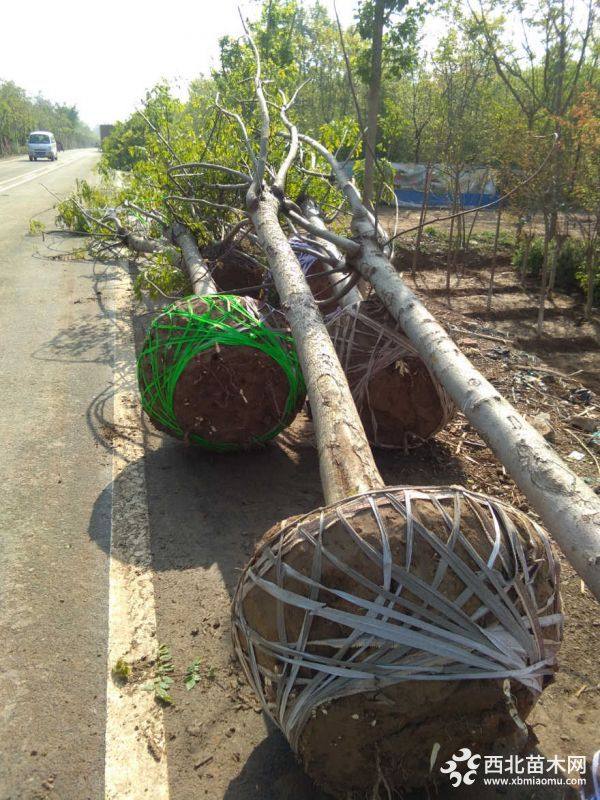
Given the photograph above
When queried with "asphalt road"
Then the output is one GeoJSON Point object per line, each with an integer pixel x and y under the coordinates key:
{"type": "Point", "coordinates": [55, 355]}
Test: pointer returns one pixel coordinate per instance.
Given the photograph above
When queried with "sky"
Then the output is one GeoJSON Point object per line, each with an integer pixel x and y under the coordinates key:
{"type": "Point", "coordinates": [102, 56]}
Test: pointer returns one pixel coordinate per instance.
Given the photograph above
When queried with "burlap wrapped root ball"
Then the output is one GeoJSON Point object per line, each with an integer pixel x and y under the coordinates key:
{"type": "Point", "coordinates": [398, 624]}
{"type": "Point", "coordinates": [213, 373]}
{"type": "Point", "coordinates": [400, 402]}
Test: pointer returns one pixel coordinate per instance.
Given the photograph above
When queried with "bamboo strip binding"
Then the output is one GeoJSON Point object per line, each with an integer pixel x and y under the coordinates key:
{"type": "Point", "coordinates": [368, 341]}
{"type": "Point", "coordinates": [505, 623]}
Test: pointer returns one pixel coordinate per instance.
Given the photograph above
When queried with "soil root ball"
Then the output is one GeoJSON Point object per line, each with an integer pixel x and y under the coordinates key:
{"type": "Point", "coordinates": [234, 271]}
{"type": "Point", "coordinates": [400, 403]}
{"type": "Point", "coordinates": [315, 271]}
{"type": "Point", "coordinates": [397, 624]}
{"type": "Point", "coordinates": [214, 373]}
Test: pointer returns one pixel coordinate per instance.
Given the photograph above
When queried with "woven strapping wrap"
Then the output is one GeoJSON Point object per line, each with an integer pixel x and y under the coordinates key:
{"type": "Point", "coordinates": [367, 340]}
{"type": "Point", "coordinates": [503, 621]}
{"type": "Point", "coordinates": [400, 402]}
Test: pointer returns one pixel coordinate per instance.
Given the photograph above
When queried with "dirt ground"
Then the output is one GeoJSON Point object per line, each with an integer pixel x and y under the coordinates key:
{"type": "Point", "coordinates": [207, 511]}
{"type": "Point", "coordinates": [481, 221]}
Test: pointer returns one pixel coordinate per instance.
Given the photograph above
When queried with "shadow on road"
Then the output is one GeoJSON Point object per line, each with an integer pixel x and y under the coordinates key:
{"type": "Point", "coordinates": [211, 508]}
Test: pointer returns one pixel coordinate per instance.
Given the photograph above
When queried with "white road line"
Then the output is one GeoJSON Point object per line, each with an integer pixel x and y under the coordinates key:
{"type": "Point", "coordinates": [10, 160]}
{"type": "Point", "coordinates": [135, 757]}
{"type": "Point", "coordinates": [36, 174]}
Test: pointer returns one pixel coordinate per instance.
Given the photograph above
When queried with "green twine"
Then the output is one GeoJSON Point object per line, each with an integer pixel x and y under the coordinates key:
{"type": "Point", "coordinates": [180, 333]}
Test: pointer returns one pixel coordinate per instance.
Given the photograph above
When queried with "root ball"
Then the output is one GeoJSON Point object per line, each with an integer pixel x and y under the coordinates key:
{"type": "Point", "coordinates": [395, 623]}
{"type": "Point", "coordinates": [399, 401]}
{"type": "Point", "coordinates": [212, 373]}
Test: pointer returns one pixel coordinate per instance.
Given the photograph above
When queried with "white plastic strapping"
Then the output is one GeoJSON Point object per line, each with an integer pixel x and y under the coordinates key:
{"type": "Point", "coordinates": [400, 628]}
{"type": "Point", "coordinates": [362, 357]}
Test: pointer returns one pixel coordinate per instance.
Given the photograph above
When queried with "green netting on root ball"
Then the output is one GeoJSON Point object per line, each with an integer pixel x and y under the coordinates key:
{"type": "Point", "coordinates": [214, 373]}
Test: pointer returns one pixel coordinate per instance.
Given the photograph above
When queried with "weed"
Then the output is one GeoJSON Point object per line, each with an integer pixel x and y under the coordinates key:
{"type": "Point", "coordinates": [36, 228]}
{"type": "Point", "coordinates": [162, 681]}
{"type": "Point", "coordinates": [122, 669]}
{"type": "Point", "coordinates": [192, 674]}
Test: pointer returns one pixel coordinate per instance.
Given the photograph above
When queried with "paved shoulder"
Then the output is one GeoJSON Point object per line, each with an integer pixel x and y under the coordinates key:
{"type": "Point", "coordinates": [56, 364]}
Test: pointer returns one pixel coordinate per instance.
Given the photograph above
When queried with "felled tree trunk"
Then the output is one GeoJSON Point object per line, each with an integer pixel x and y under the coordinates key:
{"type": "Point", "coordinates": [345, 458]}
{"type": "Point", "coordinates": [355, 624]}
{"type": "Point", "coordinates": [137, 244]}
{"type": "Point", "coordinates": [568, 507]}
{"type": "Point", "coordinates": [566, 504]}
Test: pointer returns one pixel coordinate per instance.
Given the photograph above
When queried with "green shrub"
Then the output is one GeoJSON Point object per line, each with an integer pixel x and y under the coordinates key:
{"type": "Point", "coordinates": [571, 262]}
{"type": "Point", "coordinates": [570, 266]}
{"type": "Point", "coordinates": [535, 257]}
{"type": "Point", "coordinates": [582, 277]}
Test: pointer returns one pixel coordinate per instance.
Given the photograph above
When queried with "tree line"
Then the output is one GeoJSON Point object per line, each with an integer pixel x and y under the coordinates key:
{"type": "Point", "coordinates": [500, 90]}
{"type": "Point", "coordinates": [20, 114]}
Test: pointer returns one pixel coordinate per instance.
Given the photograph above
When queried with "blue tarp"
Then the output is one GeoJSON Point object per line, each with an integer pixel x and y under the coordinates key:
{"type": "Point", "coordinates": [475, 183]}
{"type": "Point", "coordinates": [413, 198]}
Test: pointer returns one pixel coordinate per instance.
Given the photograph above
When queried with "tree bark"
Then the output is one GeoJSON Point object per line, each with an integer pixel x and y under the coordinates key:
{"type": "Point", "coordinates": [423, 214]}
{"type": "Point", "coordinates": [345, 459]}
{"type": "Point", "coordinates": [197, 270]}
{"type": "Point", "coordinates": [494, 260]}
{"type": "Point", "coordinates": [559, 241]}
{"type": "Point", "coordinates": [373, 99]}
{"type": "Point", "coordinates": [137, 244]}
{"type": "Point", "coordinates": [567, 506]}
{"type": "Point", "coordinates": [591, 280]}
{"type": "Point", "coordinates": [543, 280]}
{"type": "Point", "coordinates": [525, 259]}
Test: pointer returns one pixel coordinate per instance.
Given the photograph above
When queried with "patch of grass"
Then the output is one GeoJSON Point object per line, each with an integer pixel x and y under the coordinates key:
{"type": "Point", "coordinates": [506, 239]}
{"type": "Point", "coordinates": [36, 228]}
{"type": "Point", "coordinates": [122, 670]}
{"type": "Point", "coordinates": [437, 234]}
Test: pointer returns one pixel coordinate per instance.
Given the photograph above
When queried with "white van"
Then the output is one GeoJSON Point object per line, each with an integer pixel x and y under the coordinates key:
{"type": "Point", "coordinates": [42, 144]}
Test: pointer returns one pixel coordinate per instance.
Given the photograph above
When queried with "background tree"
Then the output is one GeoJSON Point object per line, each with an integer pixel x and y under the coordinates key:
{"type": "Point", "coordinates": [543, 74]}
{"type": "Point", "coordinates": [20, 114]}
{"type": "Point", "coordinates": [585, 116]}
{"type": "Point", "coordinates": [390, 30]}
